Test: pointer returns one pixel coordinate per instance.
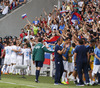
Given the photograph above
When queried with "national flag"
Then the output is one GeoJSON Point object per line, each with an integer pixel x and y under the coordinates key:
{"type": "Point", "coordinates": [47, 59]}
{"type": "Point", "coordinates": [24, 16]}
{"type": "Point", "coordinates": [64, 11]}
{"type": "Point", "coordinates": [80, 37]}
{"type": "Point", "coordinates": [75, 17]}
{"type": "Point", "coordinates": [98, 16]}
{"type": "Point", "coordinates": [52, 40]}
{"type": "Point", "coordinates": [90, 20]}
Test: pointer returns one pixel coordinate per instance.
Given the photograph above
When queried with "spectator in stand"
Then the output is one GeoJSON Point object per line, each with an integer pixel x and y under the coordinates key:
{"type": "Point", "coordinates": [22, 34]}
{"type": "Point", "coordinates": [10, 3]}
{"type": "Point", "coordinates": [1, 5]}
{"type": "Point", "coordinates": [54, 25]}
{"type": "Point", "coordinates": [29, 36]}
{"type": "Point", "coordinates": [61, 28]}
{"type": "Point", "coordinates": [27, 27]}
{"type": "Point", "coordinates": [44, 21]}
{"type": "Point", "coordinates": [0, 40]}
{"type": "Point", "coordinates": [13, 4]}
{"type": "Point", "coordinates": [4, 11]}
{"type": "Point", "coordinates": [36, 22]}
{"type": "Point", "coordinates": [63, 5]}
{"type": "Point", "coordinates": [20, 2]}
{"type": "Point", "coordinates": [35, 27]}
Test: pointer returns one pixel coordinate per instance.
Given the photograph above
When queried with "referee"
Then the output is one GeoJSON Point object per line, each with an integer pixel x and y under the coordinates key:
{"type": "Point", "coordinates": [38, 56]}
{"type": "Point", "coordinates": [1, 47]}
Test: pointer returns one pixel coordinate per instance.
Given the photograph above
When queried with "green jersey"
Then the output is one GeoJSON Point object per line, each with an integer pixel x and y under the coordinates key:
{"type": "Point", "coordinates": [38, 52]}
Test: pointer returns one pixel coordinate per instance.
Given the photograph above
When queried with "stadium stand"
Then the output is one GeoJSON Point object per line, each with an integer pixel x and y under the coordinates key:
{"type": "Point", "coordinates": [74, 20]}
{"type": "Point", "coordinates": [7, 6]}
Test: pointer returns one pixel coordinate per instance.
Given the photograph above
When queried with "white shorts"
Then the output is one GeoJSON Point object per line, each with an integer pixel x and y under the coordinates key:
{"type": "Point", "coordinates": [13, 59]}
{"type": "Point", "coordinates": [65, 63]}
{"type": "Point", "coordinates": [19, 60]}
{"type": "Point", "coordinates": [70, 67]}
{"type": "Point", "coordinates": [7, 60]}
{"type": "Point", "coordinates": [27, 62]}
{"type": "Point", "coordinates": [96, 69]}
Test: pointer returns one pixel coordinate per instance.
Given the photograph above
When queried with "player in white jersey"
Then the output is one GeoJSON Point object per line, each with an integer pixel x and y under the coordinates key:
{"type": "Point", "coordinates": [27, 52]}
{"type": "Point", "coordinates": [7, 60]}
{"type": "Point", "coordinates": [19, 58]}
{"type": "Point", "coordinates": [13, 57]}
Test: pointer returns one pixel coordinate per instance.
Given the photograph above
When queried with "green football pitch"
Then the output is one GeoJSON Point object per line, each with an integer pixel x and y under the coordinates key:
{"type": "Point", "coordinates": [15, 81]}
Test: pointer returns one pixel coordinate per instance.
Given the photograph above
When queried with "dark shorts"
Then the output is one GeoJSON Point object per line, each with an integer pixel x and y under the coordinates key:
{"type": "Point", "coordinates": [39, 63]}
{"type": "Point", "coordinates": [89, 68]}
{"type": "Point", "coordinates": [0, 61]}
{"type": "Point", "coordinates": [75, 68]}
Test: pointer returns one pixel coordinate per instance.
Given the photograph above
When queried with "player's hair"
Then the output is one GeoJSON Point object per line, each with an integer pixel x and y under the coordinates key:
{"type": "Point", "coordinates": [81, 42]}
{"type": "Point", "coordinates": [40, 39]}
{"type": "Point", "coordinates": [73, 44]}
{"type": "Point", "coordinates": [58, 40]}
{"type": "Point", "coordinates": [92, 41]}
{"type": "Point", "coordinates": [8, 43]}
{"type": "Point", "coordinates": [14, 43]}
{"type": "Point", "coordinates": [98, 43]}
{"type": "Point", "coordinates": [25, 40]}
{"type": "Point", "coordinates": [25, 44]}
{"type": "Point", "coordinates": [22, 29]}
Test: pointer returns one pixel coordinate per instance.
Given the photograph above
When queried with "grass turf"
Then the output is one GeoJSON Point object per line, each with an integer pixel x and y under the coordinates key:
{"type": "Point", "coordinates": [15, 81]}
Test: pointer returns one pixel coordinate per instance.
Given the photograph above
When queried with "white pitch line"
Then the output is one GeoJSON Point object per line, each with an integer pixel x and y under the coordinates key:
{"type": "Point", "coordinates": [17, 84]}
{"type": "Point", "coordinates": [10, 83]}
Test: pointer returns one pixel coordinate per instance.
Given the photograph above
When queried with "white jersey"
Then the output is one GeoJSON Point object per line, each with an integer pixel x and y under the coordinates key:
{"type": "Point", "coordinates": [19, 57]}
{"type": "Point", "coordinates": [5, 10]}
{"type": "Point", "coordinates": [13, 48]}
{"type": "Point", "coordinates": [26, 53]}
{"type": "Point", "coordinates": [18, 48]}
{"type": "Point", "coordinates": [49, 18]}
{"type": "Point", "coordinates": [7, 50]}
{"type": "Point", "coordinates": [7, 59]}
{"type": "Point", "coordinates": [10, 1]}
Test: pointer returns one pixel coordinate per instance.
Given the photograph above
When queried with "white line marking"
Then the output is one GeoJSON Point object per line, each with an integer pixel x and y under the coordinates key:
{"type": "Point", "coordinates": [14, 10]}
{"type": "Point", "coordinates": [17, 84]}
{"type": "Point", "coordinates": [10, 83]}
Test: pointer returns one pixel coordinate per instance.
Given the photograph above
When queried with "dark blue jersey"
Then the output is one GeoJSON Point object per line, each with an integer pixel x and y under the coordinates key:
{"type": "Point", "coordinates": [1, 47]}
{"type": "Point", "coordinates": [58, 57]}
{"type": "Point", "coordinates": [81, 53]}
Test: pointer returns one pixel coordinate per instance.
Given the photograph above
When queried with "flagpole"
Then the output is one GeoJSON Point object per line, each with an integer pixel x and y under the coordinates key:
{"type": "Point", "coordinates": [58, 4]}
{"type": "Point", "coordinates": [27, 19]}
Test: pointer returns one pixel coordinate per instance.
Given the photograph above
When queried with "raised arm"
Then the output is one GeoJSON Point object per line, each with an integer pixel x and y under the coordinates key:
{"type": "Point", "coordinates": [46, 50]}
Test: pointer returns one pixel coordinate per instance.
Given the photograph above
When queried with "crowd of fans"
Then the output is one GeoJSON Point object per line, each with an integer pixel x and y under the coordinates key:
{"type": "Point", "coordinates": [60, 23]}
{"type": "Point", "coordinates": [7, 5]}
